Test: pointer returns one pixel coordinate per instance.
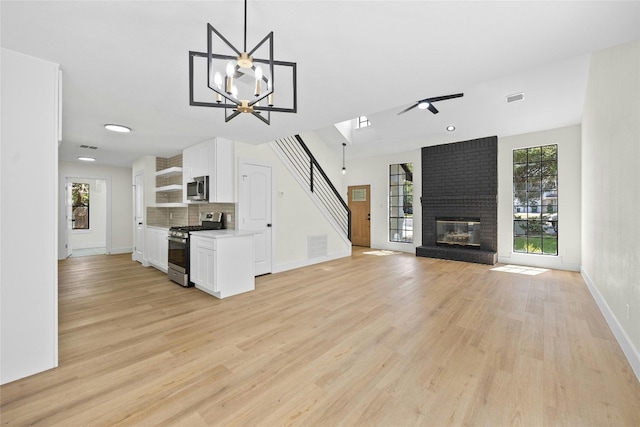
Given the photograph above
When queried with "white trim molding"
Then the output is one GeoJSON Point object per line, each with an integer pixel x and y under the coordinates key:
{"type": "Point", "coordinates": [618, 331]}
{"type": "Point", "coordinates": [279, 268]}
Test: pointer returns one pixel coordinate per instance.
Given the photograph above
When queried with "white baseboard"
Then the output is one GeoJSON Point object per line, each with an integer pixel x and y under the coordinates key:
{"type": "Point", "coordinates": [632, 354]}
{"type": "Point", "coordinates": [307, 262]}
{"type": "Point", "coordinates": [90, 245]}
{"type": "Point", "coordinates": [121, 251]}
{"type": "Point", "coordinates": [541, 261]}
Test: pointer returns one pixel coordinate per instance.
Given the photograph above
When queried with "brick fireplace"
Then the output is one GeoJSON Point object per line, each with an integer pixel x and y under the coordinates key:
{"type": "Point", "coordinates": [460, 184]}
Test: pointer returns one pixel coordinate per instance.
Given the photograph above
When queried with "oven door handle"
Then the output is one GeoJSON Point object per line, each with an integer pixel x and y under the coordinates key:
{"type": "Point", "coordinates": [176, 239]}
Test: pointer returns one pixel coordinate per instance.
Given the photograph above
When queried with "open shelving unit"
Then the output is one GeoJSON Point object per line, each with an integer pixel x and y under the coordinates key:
{"type": "Point", "coordinates": [172, 188]}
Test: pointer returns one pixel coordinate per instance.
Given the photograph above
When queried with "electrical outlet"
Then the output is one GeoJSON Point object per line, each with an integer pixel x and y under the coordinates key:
{"type": "Point", "coordinates": [170, 215]}
{"type": "Point", "coordinates": [628, 311]}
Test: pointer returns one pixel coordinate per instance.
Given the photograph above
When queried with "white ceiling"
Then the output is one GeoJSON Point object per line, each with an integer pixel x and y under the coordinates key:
{"type": "Point", "coordinates": [127, 62]}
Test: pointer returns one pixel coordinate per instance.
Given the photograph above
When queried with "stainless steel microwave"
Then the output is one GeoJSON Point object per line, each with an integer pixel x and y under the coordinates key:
{"type": "Point", "coordinates": [198, 189]}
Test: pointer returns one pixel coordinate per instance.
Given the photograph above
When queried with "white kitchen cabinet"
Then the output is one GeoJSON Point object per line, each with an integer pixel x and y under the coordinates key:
{"type": "Point", "coordinates": [213, 158]}
{"type": "Point", "coordinates": [203, 262]}
{"type": "Point", "coordinates": [222, 262]}
{"type": "Point", "coordinates": [158, 248]}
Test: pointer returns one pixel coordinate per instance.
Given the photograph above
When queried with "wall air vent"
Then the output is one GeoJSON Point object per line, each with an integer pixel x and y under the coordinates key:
{"type": "Point", "coordinates": [515, 97]}
{"type": "Point", "coordinates": [317, 246]}
{"type": "Point", "coordinates": [90, 147]}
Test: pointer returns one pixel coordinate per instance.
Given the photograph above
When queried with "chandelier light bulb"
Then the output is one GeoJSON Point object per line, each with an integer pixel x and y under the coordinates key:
{"type": "Point", "coordinates": [230, 69]}
{"type": "Point", "coordinates": [229, 78]}
{"type": "Point", "coordinates": [258, 78]}
{"type": "Point", "coordinates": [217, 79]}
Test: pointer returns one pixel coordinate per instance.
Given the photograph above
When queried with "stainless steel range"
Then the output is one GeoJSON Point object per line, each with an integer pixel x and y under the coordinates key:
{"type": "Point", "coordinates": [178, 239]}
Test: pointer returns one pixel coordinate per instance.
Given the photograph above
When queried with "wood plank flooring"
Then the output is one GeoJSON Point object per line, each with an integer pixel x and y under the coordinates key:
{"type": "Point", "coordinates": [378, 339]}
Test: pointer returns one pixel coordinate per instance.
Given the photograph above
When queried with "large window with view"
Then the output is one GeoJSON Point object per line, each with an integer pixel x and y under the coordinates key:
{"type": "Point", "coordinates": [535, 200]}
{"type": "Point", "coordinates": [401, 203]}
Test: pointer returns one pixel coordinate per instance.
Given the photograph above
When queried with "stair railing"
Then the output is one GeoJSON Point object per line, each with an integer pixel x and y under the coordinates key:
{"type": "Point", "coordinates": [311, 173]}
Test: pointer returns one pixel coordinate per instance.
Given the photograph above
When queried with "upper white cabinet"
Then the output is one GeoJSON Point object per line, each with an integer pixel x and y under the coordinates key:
{"type": "Point", "coordinates": [212, 158]}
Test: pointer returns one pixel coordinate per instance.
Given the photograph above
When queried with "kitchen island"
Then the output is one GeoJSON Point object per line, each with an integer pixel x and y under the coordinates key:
{"type": "Point", "coordinates": [222, 262]}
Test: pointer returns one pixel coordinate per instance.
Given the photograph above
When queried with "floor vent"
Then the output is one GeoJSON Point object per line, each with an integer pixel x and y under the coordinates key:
{"type": "Point", "coordinates": [317, 246]}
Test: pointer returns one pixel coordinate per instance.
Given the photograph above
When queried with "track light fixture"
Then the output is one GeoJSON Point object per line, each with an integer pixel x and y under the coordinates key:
{"type": "Point", "coordinates": [238, 81]}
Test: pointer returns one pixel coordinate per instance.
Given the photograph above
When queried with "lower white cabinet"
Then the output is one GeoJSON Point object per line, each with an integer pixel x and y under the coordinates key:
{"type": "Point", "coordinates": [203, 263]}
{"type": "Point", "coordinates": [222, 262]}
{"type": "Point", "coordinates": [158, 248]}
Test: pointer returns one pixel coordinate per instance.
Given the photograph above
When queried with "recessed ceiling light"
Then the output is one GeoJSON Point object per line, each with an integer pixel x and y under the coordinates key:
{"type": "Point", "coordinates": [451, 128]}
{"type": "Point", "coordinates": [87, 159]}
{"type": "Point", "coordinates": [117, 128]}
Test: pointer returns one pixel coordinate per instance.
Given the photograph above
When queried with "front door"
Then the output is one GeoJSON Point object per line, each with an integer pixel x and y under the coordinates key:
{"type": "Point", "coordinates": [254, 211]}
{"type": "Point", "coordinates": [360, 205]}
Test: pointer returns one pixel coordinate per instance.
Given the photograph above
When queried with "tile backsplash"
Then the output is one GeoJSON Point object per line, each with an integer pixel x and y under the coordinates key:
{"type": "Point", "coordinates": [189, 215]}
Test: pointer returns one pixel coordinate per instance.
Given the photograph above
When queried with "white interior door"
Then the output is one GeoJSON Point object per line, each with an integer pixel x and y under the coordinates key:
{"type": "Point", "coordinates": [254, 211]}
{"type": "Point", "coordinates": [138, 252]}
{"type": "Point", "coordinates": [68, 213]}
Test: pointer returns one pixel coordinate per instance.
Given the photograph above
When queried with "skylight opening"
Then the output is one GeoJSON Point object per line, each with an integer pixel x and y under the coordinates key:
{"type": "Point", "coordinates": [362, 122]}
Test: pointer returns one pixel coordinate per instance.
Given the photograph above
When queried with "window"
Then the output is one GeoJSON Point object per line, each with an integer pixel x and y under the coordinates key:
{"type": "Point", "coordinates": [401, 203]}
{"type": "Point", "coordinates": [535, 200]}
{"type": "Point", "coordinates": [80, 206]}
{"type": "Point", "coordinates": [362, 122]}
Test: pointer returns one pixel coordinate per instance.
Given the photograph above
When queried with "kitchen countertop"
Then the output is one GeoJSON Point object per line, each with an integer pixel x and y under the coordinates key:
{"type": "Point", "coordinates": [221, 234]}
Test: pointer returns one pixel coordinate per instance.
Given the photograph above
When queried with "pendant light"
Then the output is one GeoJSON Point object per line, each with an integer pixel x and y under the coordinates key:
{"type": "Point", "coordinates": [344, 170]}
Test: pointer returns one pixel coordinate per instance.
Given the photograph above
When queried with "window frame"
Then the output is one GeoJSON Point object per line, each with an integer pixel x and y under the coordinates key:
{"type": "Point", "coordinates": [85, 189]}
{"type": "Point", "coordinates": [400, 230]}
{"type": "Point", "coordinates": [362, 122]}
{"type": "Point", "coordinates": [535, 196]}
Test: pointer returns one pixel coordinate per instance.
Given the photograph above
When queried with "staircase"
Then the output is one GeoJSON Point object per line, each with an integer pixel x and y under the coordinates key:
{"type": "Point", "coordinates": [295, 154]}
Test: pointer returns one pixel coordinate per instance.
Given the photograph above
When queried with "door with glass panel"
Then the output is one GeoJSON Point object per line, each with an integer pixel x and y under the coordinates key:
{"type": "Point", "coordinates": [360, 205]}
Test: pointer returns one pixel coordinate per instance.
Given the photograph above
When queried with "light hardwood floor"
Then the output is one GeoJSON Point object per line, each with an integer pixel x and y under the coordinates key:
{"type": "Point", "coordinates": [372, 340]}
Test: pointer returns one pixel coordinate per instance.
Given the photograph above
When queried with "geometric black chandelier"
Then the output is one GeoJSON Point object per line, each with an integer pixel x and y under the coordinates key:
{"type": "Point", "coordinates": [241, 81]}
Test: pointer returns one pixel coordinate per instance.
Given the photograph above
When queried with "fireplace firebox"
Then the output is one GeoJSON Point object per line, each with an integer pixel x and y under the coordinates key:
{"type": "Point", "coordinates": [460, 232]}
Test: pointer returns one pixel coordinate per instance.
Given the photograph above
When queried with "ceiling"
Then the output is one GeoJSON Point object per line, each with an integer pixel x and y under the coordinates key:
{"type": "Point", "coordinates": [126, 62]}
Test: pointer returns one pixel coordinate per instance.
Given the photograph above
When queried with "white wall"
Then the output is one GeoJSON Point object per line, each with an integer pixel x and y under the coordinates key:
{"type": "Point", "coordinates": [569, 249]}
{"type": "Point", "coordinates": [119, 192]}
{"type": "Point", "coordinates": [295, 216]}
{"type": "Point", "coordinates": [611, 191]}
{"type": "Point", "coordinates": [28, 232]}
{"type": "Point", "coordinates": [96, 235]}
{"type": "Point", "coordinates": [374, 171]}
